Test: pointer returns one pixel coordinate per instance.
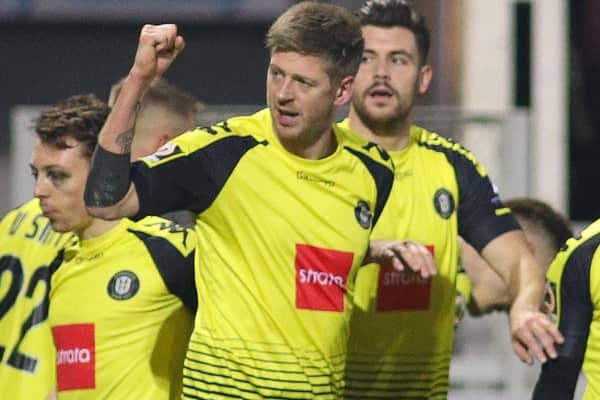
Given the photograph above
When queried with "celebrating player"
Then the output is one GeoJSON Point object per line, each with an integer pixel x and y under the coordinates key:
{"type": "Point", "coordinates": [286, 206]}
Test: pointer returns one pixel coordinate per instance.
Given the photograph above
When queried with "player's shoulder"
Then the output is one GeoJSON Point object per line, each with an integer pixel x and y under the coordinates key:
{"type": "Point", "coordinates": [435, 141]}
{"type": "Point", "coordinates": [580, 251]}
{"type": "Point", "coordinates": [241, 127]}
{"type": "Point", "coordinates": [589, 232]}
{"type": "Point", "coordinates": [30, 207]}
{"type": "Point", "coordinates": [20, 216]}
{"type": "Point", "coordinates": [587, 241]}
{"type": "Point", "coordinates": [178, 236]}
{"type": "Point", "coordinates": [456, 153]}
{"type": "Point", "coordinates": [361, 147]}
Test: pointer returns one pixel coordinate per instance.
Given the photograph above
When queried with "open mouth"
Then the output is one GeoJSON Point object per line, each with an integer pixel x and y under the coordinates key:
{"type": "Point", "coordinates": [380, 92]}
{"type": "Point", "coordinates": [285, 117]}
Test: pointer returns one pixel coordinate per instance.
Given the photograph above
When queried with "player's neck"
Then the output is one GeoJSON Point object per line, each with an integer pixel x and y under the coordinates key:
{"type": "Point", "coordinates": [321, 146]}
{"type": "Point", "coordinates": [97, 228]}
{"type": "Point", "coordinates": [392, 137]}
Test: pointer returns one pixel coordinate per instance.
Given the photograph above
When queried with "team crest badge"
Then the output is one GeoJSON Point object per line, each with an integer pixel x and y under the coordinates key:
{"type": "Point", "coordinates": [123, 285]}
{"type": "Point", "coordinates": [363, 214]}
{"type": "Point", "coordinates": [443, 203]}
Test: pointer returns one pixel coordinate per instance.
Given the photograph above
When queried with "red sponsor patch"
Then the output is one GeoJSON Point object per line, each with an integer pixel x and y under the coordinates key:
{"type": "Point", "coordinates": [75, 357]}
{"type": "Point", "coordinates": [321, 276]}
{"type": "Point", "coordinates": [402, 290]}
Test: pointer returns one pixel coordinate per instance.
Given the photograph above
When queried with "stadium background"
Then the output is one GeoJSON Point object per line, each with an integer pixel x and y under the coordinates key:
{"type": "Point", "coordinates": [514, 80]}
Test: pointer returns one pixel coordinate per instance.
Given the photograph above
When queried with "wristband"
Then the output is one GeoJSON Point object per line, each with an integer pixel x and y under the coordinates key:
{"type": "Point", "coordinates": [109, 178]}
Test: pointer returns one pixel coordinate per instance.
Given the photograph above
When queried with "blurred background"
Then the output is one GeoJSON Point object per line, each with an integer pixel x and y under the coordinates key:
{"type": "Point", "coordinates": [515, 80]}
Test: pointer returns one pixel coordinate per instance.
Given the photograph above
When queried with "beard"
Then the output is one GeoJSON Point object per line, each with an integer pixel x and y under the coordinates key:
{"type": "Point", "coordinates": [380, 121]}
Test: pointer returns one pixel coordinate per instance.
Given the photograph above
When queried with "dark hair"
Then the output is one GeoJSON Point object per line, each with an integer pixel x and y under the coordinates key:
{"type": "Point", "coordinates": [542, 215]}
{"type": "Point", "coordinates": [79, 117]}
{"type": "Point", "coordinates": [397, 13]}
{"type": "Point", "coordinates": [323, 30]}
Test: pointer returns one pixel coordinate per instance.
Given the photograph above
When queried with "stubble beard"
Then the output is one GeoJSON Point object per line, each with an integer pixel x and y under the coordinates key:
{"type": "Point", "coordinates": [384, 125]}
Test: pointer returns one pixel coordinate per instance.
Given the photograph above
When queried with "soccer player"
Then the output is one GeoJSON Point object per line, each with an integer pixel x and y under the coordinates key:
{"type": "Point", "coordinates": [286, 205]}
{"type": "Point", "coordinates": [164, 112]}
{"type": "Point", "coordinates": [574, 301]}
{"type": "Point", "coordinates": [546, 231]}
{"type": "Point", "coordinates": [403, 324]}
{"type": "Point", "coordinates": [27, 246]}
{"type": "Point", "coordinates": [122, 296]}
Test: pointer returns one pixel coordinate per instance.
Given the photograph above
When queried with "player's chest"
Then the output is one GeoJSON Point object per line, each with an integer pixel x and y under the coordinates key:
{"type": "Point", "coordinates": [294, 196]}
{"type": "Point", "coordinates": [104, 286]}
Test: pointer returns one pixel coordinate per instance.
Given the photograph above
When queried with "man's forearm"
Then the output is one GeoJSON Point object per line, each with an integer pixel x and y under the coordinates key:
{"type": "Point", "coordinates": [109, 178]}
{"type": "Point", "coordinates": [117, 133]}
{"type": "Point", "coordinates": [527, 285]}
{"type": "Point", "coordinates": [489, 290]}
{"type": "Point", "coordinates": [510, 257]}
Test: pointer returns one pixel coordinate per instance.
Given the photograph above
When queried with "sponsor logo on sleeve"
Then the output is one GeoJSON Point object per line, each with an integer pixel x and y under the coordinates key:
{"type": "Point", "coordinates": [321, 276]}
{"type": "Point", "coordinates": [167, 150]}
{"type": "Point", "coordinates": [75, 356]}
{"type": "Point", "coordinates": [123, 285]}
{"type": "Point", "coordinates": [403, 290]}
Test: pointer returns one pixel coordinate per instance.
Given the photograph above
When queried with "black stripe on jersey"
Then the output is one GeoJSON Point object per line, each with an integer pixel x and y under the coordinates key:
{"type": "Point", "coordinates": [176, 270]}
{"type": "Point", "coordinates": [384, 178]}
{"type": "Point", "coordinates": [192, 182]}
{"type": "Point", "coordinates": [206, 370]}
{"type": "Point", "coordinates": [426, 379]}
{"type": "Point", "coordinates": [283, 367]}
{"type": "Point", "coordinates": [237, 391]}
{"type": "Point", "coordinates": [559, 377]}
{"type": "Point", "coordinates": [478, 202]}
{"type": "Point", "coordinates": [56, 263]}
{"type": "Point", "coordinates": [209, 386]}
{"type": "Point", "coordinates": [576, 308]}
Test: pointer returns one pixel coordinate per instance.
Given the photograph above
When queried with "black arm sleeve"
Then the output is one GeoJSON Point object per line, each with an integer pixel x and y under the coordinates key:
{"type": "Point", "coordinates": [189, 182]}
{"type": "Point", "coordinates": [109, 178]}
{"type": "Point", "coordinates": [478, 220]}
{"type": "Point", "coordinates": [559, 377]}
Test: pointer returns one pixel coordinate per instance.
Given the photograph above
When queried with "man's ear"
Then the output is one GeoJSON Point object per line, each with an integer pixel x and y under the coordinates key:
{"type": "Point", "coordinates": [162, 139]}
{"type": "Point", "coordinates": [425, 76]}
{"type": "Point", "coordinates": [344, 91]}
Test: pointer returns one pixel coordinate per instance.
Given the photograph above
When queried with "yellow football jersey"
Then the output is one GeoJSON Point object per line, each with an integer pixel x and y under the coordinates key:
{"type": "Point", "coordinates": [573, 298]}
{"type": "Point", "coordinates": [281, 239]}
{"type": "Point", "coordinates": [402, 327]}
{"type": "Point", "coordinates": [27, 246]}
{"type": "Point", "coordinates": [117, 312]}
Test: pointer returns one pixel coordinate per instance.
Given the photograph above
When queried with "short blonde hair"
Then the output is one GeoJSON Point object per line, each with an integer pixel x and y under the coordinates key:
{"type": "Point", "coordinates": [323, 30]}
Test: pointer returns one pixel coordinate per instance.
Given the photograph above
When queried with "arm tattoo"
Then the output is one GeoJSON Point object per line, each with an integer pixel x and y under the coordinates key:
{"type": "Point", "coordinates": [125, 139]}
